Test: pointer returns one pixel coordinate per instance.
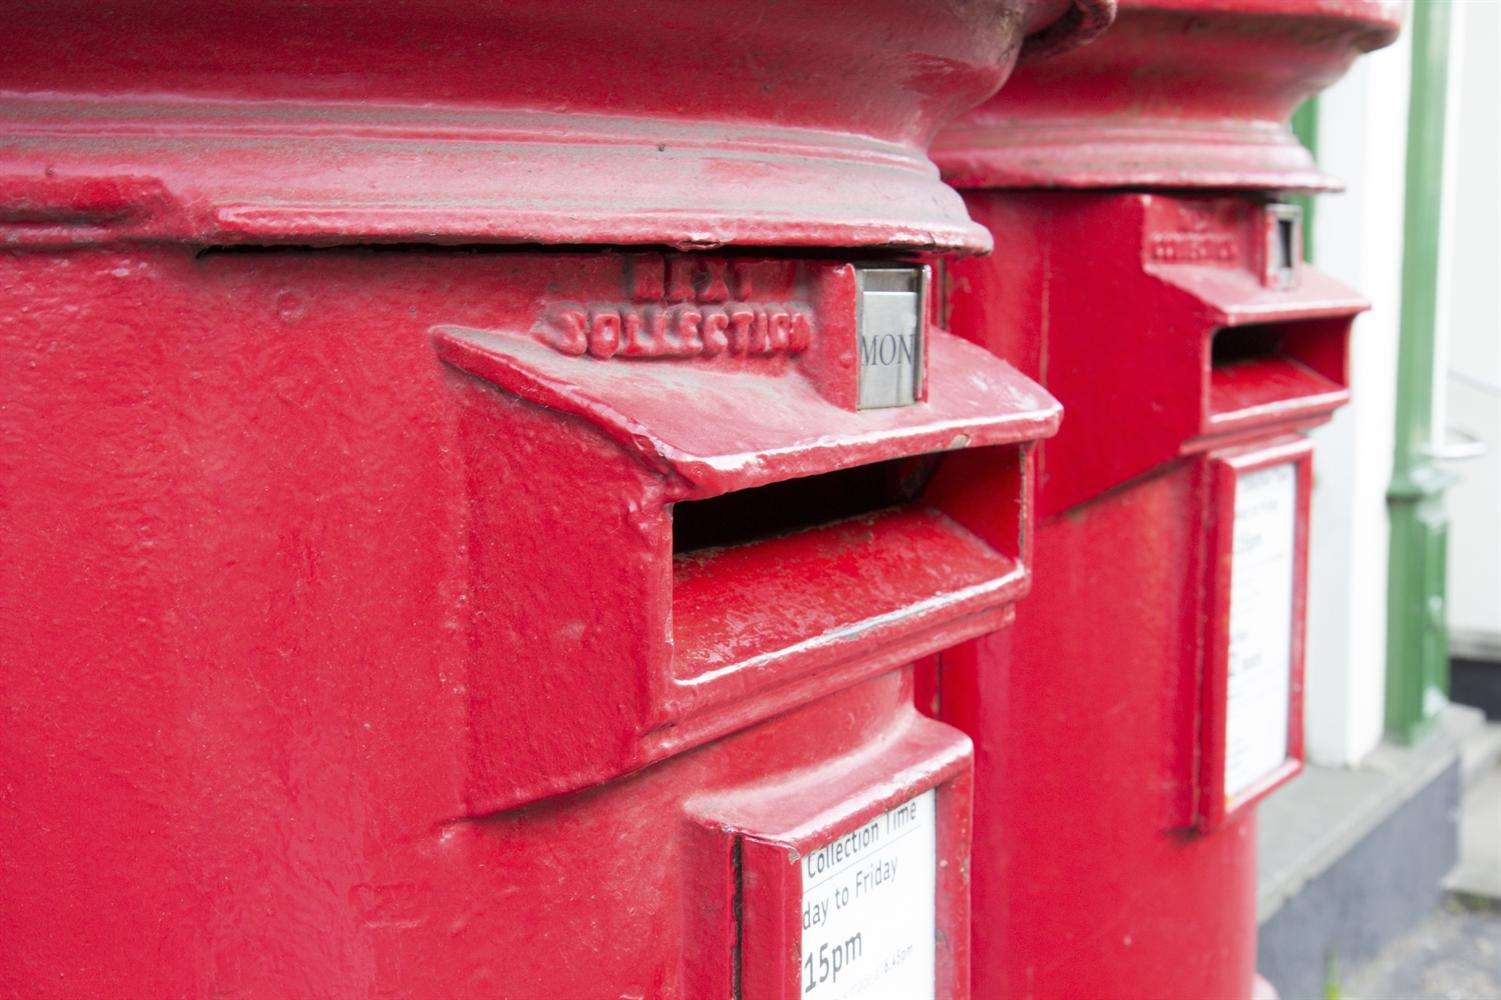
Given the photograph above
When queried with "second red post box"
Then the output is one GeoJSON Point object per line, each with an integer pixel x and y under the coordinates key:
{"type": "Point", "coordinates": [1149, 273]}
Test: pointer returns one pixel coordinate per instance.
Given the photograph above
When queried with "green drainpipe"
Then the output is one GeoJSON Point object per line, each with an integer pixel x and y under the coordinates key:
{"type": "Point", "coordinates": [1306, 128]}
{"type": "Point", "coordinates": [1417, 662]}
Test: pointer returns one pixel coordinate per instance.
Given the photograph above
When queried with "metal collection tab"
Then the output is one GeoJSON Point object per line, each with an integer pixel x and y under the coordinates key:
{"type": "Point", "coordinates": [889, 333]}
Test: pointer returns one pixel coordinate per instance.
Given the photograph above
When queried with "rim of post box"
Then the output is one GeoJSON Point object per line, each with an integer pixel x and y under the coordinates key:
{"type": "Point", "coordinates": [545, 123]}
{"type": "Point", "coordinates": [1178, 94]}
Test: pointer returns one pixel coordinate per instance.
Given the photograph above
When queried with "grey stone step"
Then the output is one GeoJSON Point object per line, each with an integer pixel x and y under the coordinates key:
{"type": "Point", "coordinates": [1478, 874]}
{"type": "Point", "coordinates": [1480, 752]}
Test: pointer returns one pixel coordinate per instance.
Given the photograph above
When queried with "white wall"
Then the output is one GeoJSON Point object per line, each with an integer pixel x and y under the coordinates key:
{"type": "Point", "coordinates": [1472, 328]}
{"type": "Point", "coordinates": [1358, 238]}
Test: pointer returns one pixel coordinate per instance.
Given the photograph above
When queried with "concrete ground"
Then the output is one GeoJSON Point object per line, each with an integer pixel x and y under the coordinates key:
{"type": "Point", "coordinates": [1455, 952]}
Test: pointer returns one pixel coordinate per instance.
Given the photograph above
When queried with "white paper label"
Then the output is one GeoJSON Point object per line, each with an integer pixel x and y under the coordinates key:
{"type": "Point", "coordinates": [869, 908]}
{"type": "Point", "coordinates": [1261, 620]}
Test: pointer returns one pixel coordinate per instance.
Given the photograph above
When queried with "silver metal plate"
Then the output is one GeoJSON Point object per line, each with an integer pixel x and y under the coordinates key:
{"type": "Point", "coordinates": [1284, 242]}
{"type": "Point", "coordinates": [889, 334]}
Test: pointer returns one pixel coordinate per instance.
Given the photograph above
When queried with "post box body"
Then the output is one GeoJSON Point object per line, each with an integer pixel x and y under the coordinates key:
{"type": "Point", "coordinates": [1149, 691]}
{"type": "Point", "coordinates": [424, 576]}
{"type": "Point", "coordinates": [366, 639]}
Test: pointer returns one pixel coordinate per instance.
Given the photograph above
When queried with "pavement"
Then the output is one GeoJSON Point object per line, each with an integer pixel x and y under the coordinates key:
{"type": "Point", "coordinates": [1454, 953]}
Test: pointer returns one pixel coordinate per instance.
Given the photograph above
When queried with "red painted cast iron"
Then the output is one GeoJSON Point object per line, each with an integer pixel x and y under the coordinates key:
{"type": "Point", "coordinates": [361, 638]}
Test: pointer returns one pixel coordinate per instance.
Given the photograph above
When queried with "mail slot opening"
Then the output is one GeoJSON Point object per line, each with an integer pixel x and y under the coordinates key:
{"type": "Point", "coordinates": [1266, 365]}
{"type": "Point", "coordinates": [780, 508]}
{"type": "Point", "coordinates": [886, 548]}
{"type": "Point", "coordinates": [1245, 343]}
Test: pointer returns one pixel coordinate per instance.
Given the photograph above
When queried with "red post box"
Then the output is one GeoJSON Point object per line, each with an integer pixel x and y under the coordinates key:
{"type": "Point", "coordinates": [1149, 275]}
{"type": "Point", "coordinates": [477, 478]}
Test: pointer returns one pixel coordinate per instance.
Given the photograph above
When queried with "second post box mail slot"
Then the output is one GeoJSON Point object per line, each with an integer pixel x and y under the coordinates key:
{"type": "Point", "coordinates": [1270, 334]}
{"type": "Point", "coordinates": [739, 518]}
{"type": "Point", "coordinates": [1233, 333]}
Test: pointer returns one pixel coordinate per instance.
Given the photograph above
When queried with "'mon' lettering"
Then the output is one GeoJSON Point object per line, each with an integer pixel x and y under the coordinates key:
{"type": "Point", "coordinates": [887, 349]}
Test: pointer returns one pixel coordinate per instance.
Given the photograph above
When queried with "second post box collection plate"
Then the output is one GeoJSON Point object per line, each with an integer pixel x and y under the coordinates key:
{"type": "Point", "coordinates": [1261, 610]}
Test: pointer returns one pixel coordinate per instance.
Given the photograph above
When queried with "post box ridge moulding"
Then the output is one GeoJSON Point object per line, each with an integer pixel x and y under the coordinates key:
{"type": "Point", "coordinates": [510, 123]}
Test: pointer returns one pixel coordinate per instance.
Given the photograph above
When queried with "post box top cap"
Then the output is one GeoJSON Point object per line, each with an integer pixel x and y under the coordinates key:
{"type": "Point", "coordinates": [1178, 94]}
{"type": "Point", "coordinates": [687, 123]}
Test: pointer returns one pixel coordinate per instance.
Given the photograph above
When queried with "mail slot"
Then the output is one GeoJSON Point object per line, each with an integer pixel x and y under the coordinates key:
{"type": "Point", "coordinates": [1150, 690]}
{"type": "Point", "coordinates": [751, 535]}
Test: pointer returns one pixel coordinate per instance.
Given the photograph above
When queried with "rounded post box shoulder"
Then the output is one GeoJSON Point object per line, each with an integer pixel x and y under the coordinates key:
{"type": "Point", "coordinates": [1178, 94]}
{"type": "Point", "coordinates": [685, 124]}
